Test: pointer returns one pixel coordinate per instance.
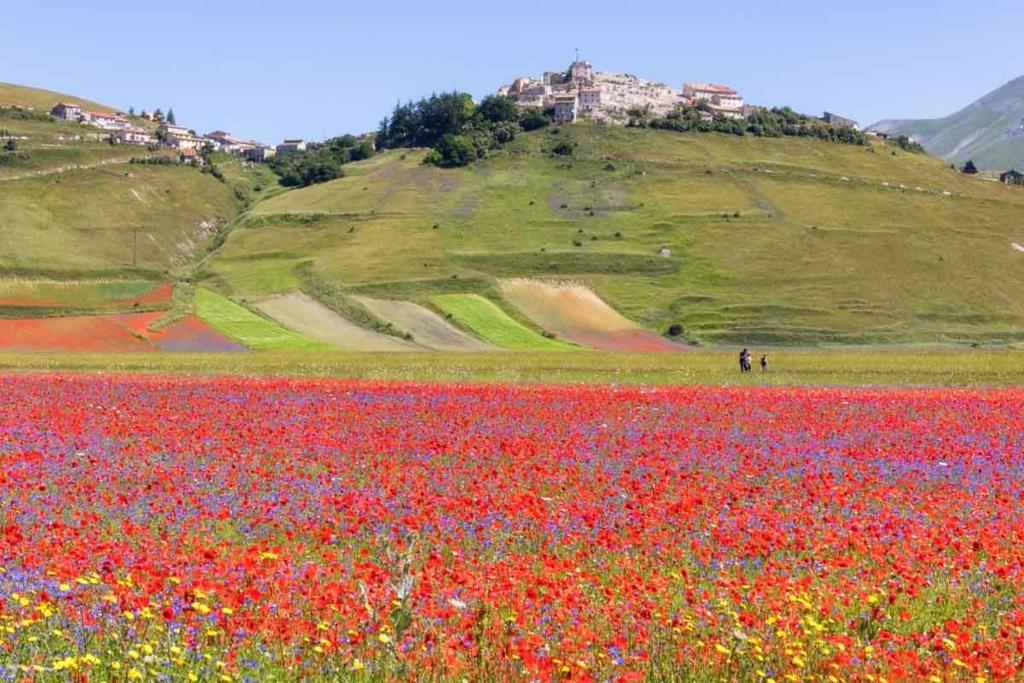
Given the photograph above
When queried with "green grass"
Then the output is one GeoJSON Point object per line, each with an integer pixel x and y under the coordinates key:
{"type": "Point", "coordinates": [492, 324]}
{"type": "Point", "coordinates": [248, 328]}
{"type": "Point", "coordinates": [822, 252]}
{"type": "Point", "coordinates": [72, 293]}
{"type": "Point", "coordinates": [42, 100]}
{"type": "Point", "coordinates": [81, 222]}
{"type": "Point", "coordinates": [889, 367]}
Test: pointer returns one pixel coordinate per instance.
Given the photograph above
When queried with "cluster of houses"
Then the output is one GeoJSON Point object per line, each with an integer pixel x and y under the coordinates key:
{"type": "Point", "coordinates": [609, 97]}
{"type": "Point", "coordinates": [189, 145]}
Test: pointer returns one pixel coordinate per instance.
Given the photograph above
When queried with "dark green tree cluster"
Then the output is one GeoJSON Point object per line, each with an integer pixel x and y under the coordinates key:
{"type": "Point", "coordinates": [909, 144]}
{"type": "Point", "coordinates": [457, 130]}
{"type": "Point", "coordinates": [320, 161]}
{"type": "Point", "coordinates": [768, 123]}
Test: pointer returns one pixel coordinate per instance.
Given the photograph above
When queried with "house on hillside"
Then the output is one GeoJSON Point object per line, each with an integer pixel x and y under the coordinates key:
{"type": "Point", "coordinates": [67, 112]}
{"type": "Point", "coordinates": [721, 99]}
{"type": "Point", "coordinates": [289, 146]}
{"type": "Point", "coordinates": [225, 142]}
{"type": "Point", "coordinates": [259, 153]}
{"type": "Point", "coordinates": [191, 156]}
{"type": "Point", "coordinates": [839, 121]}
{"type": "Point", "coordinates": [181, 138]}
{"type": "Point", "coordinates": [105, 121]}
{"type": "Point", "coordinates": [1012, 177]}
{"type": "Point", "coordinates": [566, 108]}
{"type": "Point", "coordinates": [133, 136]}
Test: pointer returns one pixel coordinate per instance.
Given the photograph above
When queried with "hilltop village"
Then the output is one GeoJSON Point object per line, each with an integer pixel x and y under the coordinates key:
{"type": "Point", "coordinates": [150, 129]}
{"type": "Point", "coordinates": [607, 97]}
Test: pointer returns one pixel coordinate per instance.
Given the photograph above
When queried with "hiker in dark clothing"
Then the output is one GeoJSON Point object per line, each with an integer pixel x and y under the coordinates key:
{"type": "Point", "coordinates": [744, 360]}
{"type": "Point", "coordinates": [764, 363]}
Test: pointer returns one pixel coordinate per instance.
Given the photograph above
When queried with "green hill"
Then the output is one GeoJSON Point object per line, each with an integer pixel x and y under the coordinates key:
{"type": "Point", "coordinates": [75, 211]}
{"type": "Point", "coordinates": [42, 100]}
{"type": "Point", "coordinates": [990, 131]}
{"type": "Point", "coordinates": [787, 240]}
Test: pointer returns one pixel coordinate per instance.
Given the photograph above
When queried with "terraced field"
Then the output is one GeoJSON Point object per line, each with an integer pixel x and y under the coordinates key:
{"type": "Point", "coordinates": [574, 312]}
{"type": "Point", "coordinates": [487, 321]}
{"type": "Point", "coordinates": [249, 329]}
{"type": "Point", "coordinates": [311, 318]}
{"type": "Point", "coordinates": [790, 241]}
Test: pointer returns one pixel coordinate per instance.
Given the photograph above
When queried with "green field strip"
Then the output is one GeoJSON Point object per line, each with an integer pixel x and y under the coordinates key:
{"type": "Point", "coordinates": [492, 324]}
{"type": "Point", "coordinates": [239, 323]}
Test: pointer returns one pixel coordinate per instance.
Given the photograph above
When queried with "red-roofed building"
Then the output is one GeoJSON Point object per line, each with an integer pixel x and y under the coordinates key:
{"type": "Point", "coordinates": [133, 136]}
{"type": "Point", "coordinates": [106, 121]}
{"type": "Point", "coordinates": [720, 98]}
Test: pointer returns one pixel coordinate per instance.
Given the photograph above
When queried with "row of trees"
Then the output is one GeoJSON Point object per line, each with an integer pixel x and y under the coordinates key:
{"type": "Point", "coordinates": [320, 161]}
{"type": "Point", "coordinates": [158, 113]}
{"type": "Point", "coordinates": [769, 123]}
{"type": "Point", "coordinates": [458, 130]}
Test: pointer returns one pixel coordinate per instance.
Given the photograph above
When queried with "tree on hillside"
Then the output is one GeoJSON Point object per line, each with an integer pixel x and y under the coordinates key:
{"type": "Point", "coordinates": [499, 108]}
{"type": "Point", "coordinates": [970, 168]}
{"type": "Point", "coordinates": [453, 151]}
{"type": "Point", "coordinates": [11, 145]}
{"type": "Point", "coordinates": [131, 111]}
{"type": "Point", "coordinates": [170, 117]}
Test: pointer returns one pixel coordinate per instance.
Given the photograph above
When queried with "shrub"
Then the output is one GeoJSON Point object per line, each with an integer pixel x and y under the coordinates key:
{"type": "Point", "coordinates": [564, 148]}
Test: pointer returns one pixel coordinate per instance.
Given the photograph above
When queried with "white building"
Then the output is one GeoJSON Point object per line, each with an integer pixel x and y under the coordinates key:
{"type": "Point", "coordinates": [565, 108]}
{"type": "Point", "coordinates": [133, 136]}
{"type": "Point", "coordinates": [106, 121]}
{"type": "Point", "coordinates": [289, 146]}
{"type": "Point", "coordinates": [225, 142]}
{"type": "Point", "coordinates": [67, 112]}
{"type": "Point", "coordinates": [181, 138]}
{"type": "Point", "coordinates": [721, 98]}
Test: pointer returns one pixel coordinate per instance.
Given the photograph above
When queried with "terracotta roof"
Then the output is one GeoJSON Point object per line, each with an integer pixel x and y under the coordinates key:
{"type": "Point", "coordinates": [712, 87]}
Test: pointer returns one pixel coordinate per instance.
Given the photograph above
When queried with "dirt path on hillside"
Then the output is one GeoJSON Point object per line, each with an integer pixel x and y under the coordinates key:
{"type": "Point", "coordinates": [63, 169]}
{"type": "Point", "coordinates": [311, 318]}
{"type": "Point", "coordinates": [572, 311]}
{"type": "Point", "coordinates": [425, 326]}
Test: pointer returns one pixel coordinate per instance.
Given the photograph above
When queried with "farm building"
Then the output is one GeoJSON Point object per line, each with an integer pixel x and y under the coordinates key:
{"type": "Point", "coordinates": [1012, 177]}
{"type": "Point", "coordinates": [67, 112]}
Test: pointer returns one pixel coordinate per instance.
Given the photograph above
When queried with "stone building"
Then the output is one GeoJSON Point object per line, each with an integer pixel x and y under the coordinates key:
{"type": "Point", "coordinates": [721, 99]}
{"type": "Point", "coordinates": [67, 112]}
{"type": "Point", "coordinates": [566, 108]}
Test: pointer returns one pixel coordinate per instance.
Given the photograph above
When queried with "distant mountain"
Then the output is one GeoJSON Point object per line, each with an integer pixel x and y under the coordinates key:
{"type": "Point", "coordinates": [990, 130]}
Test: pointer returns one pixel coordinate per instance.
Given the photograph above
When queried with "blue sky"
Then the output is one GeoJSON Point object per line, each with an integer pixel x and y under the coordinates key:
{"type": "Point", "coordinates": [314, 68]}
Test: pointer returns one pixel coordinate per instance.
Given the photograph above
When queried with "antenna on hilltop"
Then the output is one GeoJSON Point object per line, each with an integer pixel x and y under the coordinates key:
{"type": "Point", "coordinates": [577, 54]}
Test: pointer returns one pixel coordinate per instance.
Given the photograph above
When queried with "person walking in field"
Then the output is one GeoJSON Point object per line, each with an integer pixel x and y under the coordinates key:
{"type": "Point", "coordinates": [744, 360]}
{"type": "Point", "coordinates": [764, 363]}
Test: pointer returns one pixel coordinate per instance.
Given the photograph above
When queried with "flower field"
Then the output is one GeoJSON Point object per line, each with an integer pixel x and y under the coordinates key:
{"type": "Point", "coordinates": [159, 528]}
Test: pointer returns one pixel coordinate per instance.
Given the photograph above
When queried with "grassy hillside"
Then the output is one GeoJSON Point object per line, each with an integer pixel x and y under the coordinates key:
{"type": "Point", "coordinates": [42, 100]}
{"type": "Point", "coordinates": [81, 225]}
{"type": "Point", "coordinates": [990, 131]}
{"type": "Point", "coordinates": [785, 240]}
{"type": "Point", "coordinates": [82, 221]}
